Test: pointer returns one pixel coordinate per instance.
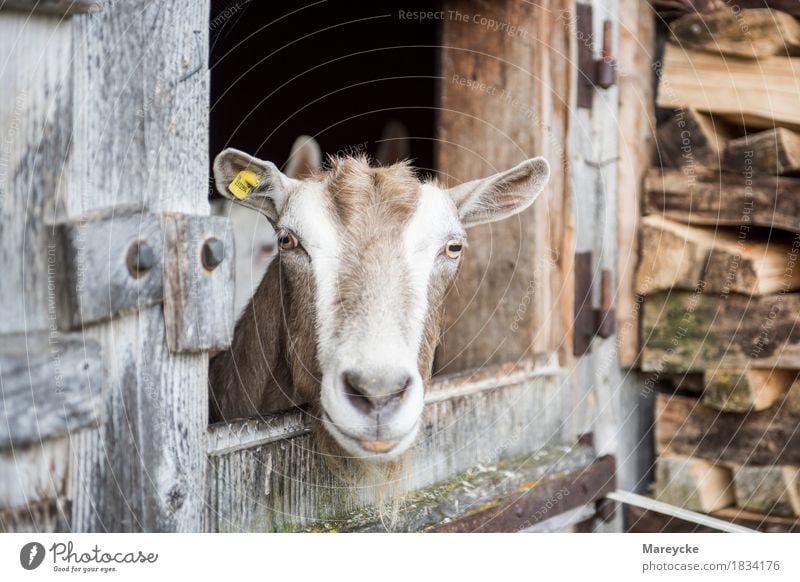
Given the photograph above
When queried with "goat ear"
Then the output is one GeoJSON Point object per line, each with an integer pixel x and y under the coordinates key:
{"type": "Point", "coordinates": [501, 195]}
{"type": "Point", "coordinates": [252, 182]}
{"type": "Point", "coordinates": [305, 159]}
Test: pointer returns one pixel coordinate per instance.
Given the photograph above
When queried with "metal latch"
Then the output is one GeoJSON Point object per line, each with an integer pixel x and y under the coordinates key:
{"type": "Point", "coordinates": [592, 72]}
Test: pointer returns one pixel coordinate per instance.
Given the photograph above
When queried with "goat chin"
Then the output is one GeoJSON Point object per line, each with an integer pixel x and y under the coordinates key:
{"type": "Point", "coordinates": [381, 483]}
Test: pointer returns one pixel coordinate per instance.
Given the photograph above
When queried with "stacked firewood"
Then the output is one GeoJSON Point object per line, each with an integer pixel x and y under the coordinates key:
{"type": "Point", "coordinates": [719, 273]}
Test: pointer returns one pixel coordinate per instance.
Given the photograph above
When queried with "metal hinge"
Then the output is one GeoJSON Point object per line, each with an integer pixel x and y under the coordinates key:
{"type": "Point", "coordinates": [592, 72]}
{"type": "Point", "coordinates": [590, 321]}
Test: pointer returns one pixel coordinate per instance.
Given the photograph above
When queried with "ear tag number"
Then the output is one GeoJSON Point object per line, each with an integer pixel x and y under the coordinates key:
{"type": "Point", "coordinates": [243, 184]}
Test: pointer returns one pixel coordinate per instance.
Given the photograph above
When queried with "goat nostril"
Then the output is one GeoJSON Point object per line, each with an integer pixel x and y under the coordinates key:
{"type": "Point", "coordinates": [355, 392]}
{"type": "Point", "coordinates": [372, 396]}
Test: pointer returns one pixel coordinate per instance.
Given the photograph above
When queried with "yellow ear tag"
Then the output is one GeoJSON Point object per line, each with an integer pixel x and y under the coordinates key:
{"type": "Point", "coordinates": [243, 184]}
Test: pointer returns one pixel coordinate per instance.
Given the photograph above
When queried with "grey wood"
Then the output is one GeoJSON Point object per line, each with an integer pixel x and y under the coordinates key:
{"type": "Point", "coordinates": [141, 137]}
{"type": "Point", "coordinates": [57, 7]}
{"type": "Point", "coordinates": [49, 385]}
{"type": "Point", "coordinates": [198, 298]}
{"type": "Point", "coordinates": [288, 484]}
{"type": "Point", "coordinates": [94, 279]}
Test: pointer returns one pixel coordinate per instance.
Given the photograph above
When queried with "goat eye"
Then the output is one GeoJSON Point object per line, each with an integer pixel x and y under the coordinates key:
{"type": "Point", "coordinates": [453, 249]}
{"type": "Point", "coordinates": [287, 241]}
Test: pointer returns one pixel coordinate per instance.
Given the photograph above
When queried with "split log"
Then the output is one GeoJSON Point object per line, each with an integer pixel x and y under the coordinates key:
{"type": "Point", "coordinates": [690, 137]}
{"type": "Point", "coordinates": [724, 199]}
{"type": "Point", "coordinates": [693, 483]}
{"type": "Point", "coordinates": [692, 331]}
{"type": "Point", "coordinates": [743, 390]}
{"type": "Point", "coordinates": [676, 255]}
{"type": "Point", "coordinates": [744, 33]}
{"type": "Point", "coordinates": [762, 97]}
{"type": "Point", "coordinates": [775, 151]}
{"type": "Point", "coordinates": [774, 489]}
{"type": "Point", "coordinates": [686, 427]}
{"type": "Point", "coordinates": [670, 9]}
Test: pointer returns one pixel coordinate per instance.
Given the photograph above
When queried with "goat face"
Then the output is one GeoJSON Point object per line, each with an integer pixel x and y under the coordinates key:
{"type": "Point", "coordinates": [367, 256]}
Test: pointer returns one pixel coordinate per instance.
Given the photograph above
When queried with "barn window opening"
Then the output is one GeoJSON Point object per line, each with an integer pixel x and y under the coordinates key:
{"type": "Point", "coordinates": [337, 71]}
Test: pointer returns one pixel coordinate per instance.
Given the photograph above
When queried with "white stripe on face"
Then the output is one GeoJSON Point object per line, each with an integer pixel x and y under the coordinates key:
{"type": "Point", "coordinates": [381, 335]}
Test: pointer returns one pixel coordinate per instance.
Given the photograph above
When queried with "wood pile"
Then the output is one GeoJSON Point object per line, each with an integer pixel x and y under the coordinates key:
{"type": "Point", "coordinates": [719, 269]}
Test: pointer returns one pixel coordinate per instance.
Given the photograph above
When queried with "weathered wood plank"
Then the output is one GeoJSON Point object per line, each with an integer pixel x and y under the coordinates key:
{"type": "Point", "coordinates": [774, 151]}
{"type": "Point", "coordinates": [490, 317]}
{"type": "Point", "coordinates": [635, 145]}
{"type": "Point", "coordinates": [58, 7]}
{"type": "Point", "coordinates": [139, 68]}
{"type": "Point", "coordinates": [703, 80]}
{"type": "Point", "coordinates": [226, 437]}
{"type": "Point", "coordinates": [532, 501]}
{"type": "Point", "coordinates": [198, 269]}
{"type": "Point", "coordinates": [35, 125]}
{"type": "Point", "coordinates": [724, 199]}
{"type": "Point", "coordinates": [679, 256]}
{"type": "Point", "coordinates": [49, 385]}
{"type": "Point", "coordinates": [108, 263]}
{"type": "Point", "coordinates": [692, 140]}
{"type": "Point", "coordinates": [754, 33]}
{"type": "Point", "coordinates": [774, 489]}
{"type": "Point", "coordinates": [693, 483]}
{"type": "Point", "coordinates": [34, 473]}
{"type": "Point", "coordinates": [691, 331]}
{"type": "Point", "coordinates": [686, 427]}
{"type": "Point", "coordinates": [286, 485]}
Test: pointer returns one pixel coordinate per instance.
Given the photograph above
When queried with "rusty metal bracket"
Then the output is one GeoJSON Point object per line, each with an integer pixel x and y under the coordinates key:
{"type": "Point", "coordinates": [589, 321]}
{"type": "Point", "coordinates": [592, 72]}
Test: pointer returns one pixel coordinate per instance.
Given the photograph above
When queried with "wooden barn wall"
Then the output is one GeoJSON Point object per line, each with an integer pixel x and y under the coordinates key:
{"type": "Point", "coordinates": [101, 109]}
{"type": "Point", "coordinates": [141, 137]}
{"type": "Point", "coordinates": [504, 98]}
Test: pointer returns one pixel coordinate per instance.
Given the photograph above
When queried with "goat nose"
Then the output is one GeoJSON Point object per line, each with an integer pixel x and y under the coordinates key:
{"type": "Point", "coordinates": [373, 393]}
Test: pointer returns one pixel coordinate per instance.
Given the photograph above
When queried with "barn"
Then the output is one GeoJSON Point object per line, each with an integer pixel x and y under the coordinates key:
{"type": "Point", "coordinates": [586, 374]}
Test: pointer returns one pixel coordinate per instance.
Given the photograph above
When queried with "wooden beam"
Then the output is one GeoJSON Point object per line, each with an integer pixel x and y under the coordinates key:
{"type": "Point", "coordinates": [773, 489]}
{"type": "Point", "coordinates": [640, 520]}
{"type": "Point", "coordinates": [500, 119]}
{"type": "Point", "coordinates": [689, 332]}
{"type": "Point", "coordinates": [531, 504]}
{"type": "Point", "coordinates": [50, 385]}
{"type": "Point", "coordinates": [635, 145]}
{"type": "Point", "coordinates": [57, 7]}
{"type": "Point", "coordinates": [693, 483]}
{"type": "Point", "coordinates": [691, 139]}
{"type": "Point", "coordinates": [774, 151]}
{"type": "Point", "coordinates": [686, 427]}
{"type": "Point", "coordinates": [675, 255]}
{"type": "Point", "coordinates": [754, 33]}
{"type": "Point", "coordinates": [743, 390]}
{"type": "Point", "coordinates": [724, 199]}
{"type": "Point", "coordinates": [703, 80]}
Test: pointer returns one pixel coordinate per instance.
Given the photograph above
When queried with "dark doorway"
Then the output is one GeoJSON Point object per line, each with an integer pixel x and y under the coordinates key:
{"type": "Point", "coordinates": [335, 70]}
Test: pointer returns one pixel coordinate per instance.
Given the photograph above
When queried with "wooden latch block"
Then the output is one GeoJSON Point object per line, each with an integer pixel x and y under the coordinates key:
{"type": "Point", "coordinates": [198, 282]}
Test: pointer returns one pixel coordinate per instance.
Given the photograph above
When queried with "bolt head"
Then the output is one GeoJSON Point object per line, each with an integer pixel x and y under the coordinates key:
{"type": "Point", "coordinates": [141, 258]}
{"type": "Point", "coordinates": [213, 253]}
